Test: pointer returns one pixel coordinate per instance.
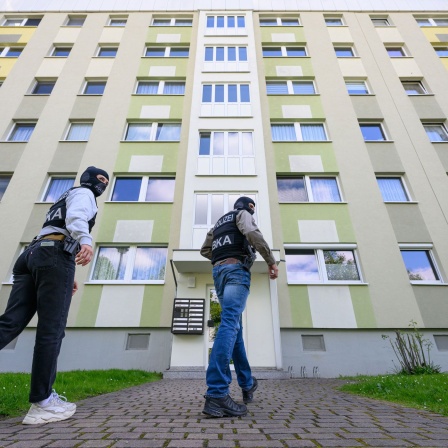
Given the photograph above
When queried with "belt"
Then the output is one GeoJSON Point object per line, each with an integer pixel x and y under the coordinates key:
{"type": "Point", "coordinates": [53, 236]}
{"type": "Point", "coordinates": [227, 261]}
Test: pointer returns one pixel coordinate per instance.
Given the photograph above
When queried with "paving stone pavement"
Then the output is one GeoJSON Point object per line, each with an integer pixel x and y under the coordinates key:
{"type": "Point", "coordinates": [285, 413]}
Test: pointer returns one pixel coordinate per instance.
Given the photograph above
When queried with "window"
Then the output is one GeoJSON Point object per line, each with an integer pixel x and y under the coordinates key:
{"type": "Point", "coordinates": [290, 88]}
{"type": "Point", "coordinates": [107, 52]}
{"type": "Point", "coordinates": [225, 54]}
{"type": "Point", "coordinates": [22, 21]}
{"type": "Point", "coordinates": [286, 52]}
{"type": "Point", "coordinates": [357, 88]}
{"type": "Point", "coordinates": [392, 189]}
{"type": "Point", "coordinates": [414, 88]}
{"type": "Point", "coordinates": [344, 52]}
{"type": "Point", "coordinates": [79, 132]}
{"type": "Point", "coordinates": [172, 22]}
{"type": "Point", "coordinates": [143, 189]}
{"type": "Point", "coordinates": [130, 264]}
{"type": "Point", "coordinates": [307, 132]}
{"type": "Point", "coordinates": [225, 93]}
{"type": "Point", "coordinates": [117, 21]}
{"type": "Point", "coordinates": [75, 21]}
{"type": "Point", "coordinates": [10, 52]}
{"type": "Point", "coordinates": [160, 88]}
{"type": "Point", "coordinates": [313, 343]}
{"type": "Point", "coordinates": [372, 132]}
{"type": "Point", "coordinates": [308, 189]}
{"type": "Point", "coordinates": [137, 341]}
{"type": "Point", "coordinates": [441, 51]}
{"type": "Point", "coordinates": [380, 21]}
{"type": "Point", "coordinates": [436, 132]}
{"type": "Point", "coordinates": [56, 186]}
{"type": "Point", "coordinates": [167, 52]}
{"type": "Point", "coordinates": [278, 21]}
{"type": "Point", "coordinates": [396, 52]}
{"type": "Point", "coordinates": [333, 21]}
{"type": "Point", "coordinates": [441, 21]}
{"type": "Point", "coordinates": [94, 88]}
{"type": "Point", "coordinates": [21, 132]}
{"type": "Point", "coordinates": [226, 22]}
{"type": "Point", "coordinates": [420, 265]}
{"type": "Point", "coordinates": [4, 182]}
{"type": "Point", "coordinates": [43, 87]}
{"type": "Point", "coordinates": [321, 266]}
{"type": "Point", "coordinates": [163, 132]}
{"type": "Point", "coordinates": [61, 52]}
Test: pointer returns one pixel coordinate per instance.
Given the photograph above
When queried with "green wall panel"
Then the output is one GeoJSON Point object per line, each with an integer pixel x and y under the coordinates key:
{"type": "Point", "coordinates": [267, 31]}
{"type": "Point", "coordinates": [113, 212]}
{"type": "Point", "coordinates": [88, 308]}
{"type": "Point", "coordinates": [166, 149]}
{"type": "Point", "coordinates": [362, 306]}
{"type": "Point", "coordinates": [180, 64]}
{"type": "Point", "coordinates": [183, 32]}
{"type": "Point", "coordinates": [175, 102]}
{"type": "Point", "coordinates": [282, 152]}
{"type": "Point", "coordinates": [313, 101]}
{"type": "Point", "coordinates": [152, 306]}
{"type": "Point", "coordinates": [300, 307]}
{"type": "Point", "coordinates": [292, 213]}
{"type": "Point", "coordinates": [270, 65]}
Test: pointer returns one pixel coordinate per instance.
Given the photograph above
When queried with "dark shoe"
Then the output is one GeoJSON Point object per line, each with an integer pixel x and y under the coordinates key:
{"type": "Point", "coordinates": [219, 407]}
{"type": "Point", "coordinates": [248, 395]}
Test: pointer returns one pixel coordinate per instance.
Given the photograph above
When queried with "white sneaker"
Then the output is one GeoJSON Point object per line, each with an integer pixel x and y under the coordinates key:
{"type": "Point", "coordinates": [57, 409]}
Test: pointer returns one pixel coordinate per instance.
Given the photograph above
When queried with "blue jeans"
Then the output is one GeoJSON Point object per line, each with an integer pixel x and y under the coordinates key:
{"type": "Point", "coordinates": [43, 283]}
{"type": "Point", "coordinates": [232, 284]}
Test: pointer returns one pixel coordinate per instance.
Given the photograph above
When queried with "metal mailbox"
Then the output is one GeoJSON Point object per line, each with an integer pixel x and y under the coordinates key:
{"type": "Point", "coordinates": [188, 316]}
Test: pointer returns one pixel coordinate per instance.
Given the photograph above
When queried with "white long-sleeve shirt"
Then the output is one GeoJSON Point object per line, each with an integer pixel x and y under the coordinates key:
{"type": "Point", "coordinates": [81, 207]}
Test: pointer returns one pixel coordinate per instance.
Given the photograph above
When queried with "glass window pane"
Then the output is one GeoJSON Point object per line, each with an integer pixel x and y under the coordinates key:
{"type": "Point", "coordinates": [436, 132]}
{"type": "Point", "coordinates": [207, 93]}
{"type": "Point", "coordinates": [155, 52]}
{"type": "Point", "coordinates": [107, 52]}
{"type": "Point", "coordinates": [325, 189]}
{"type": "Point", "coordinates": [268, 22]}
{"type": "Point", "coordinates": [183, 22]}
{"type": "Point", "coordinates": [231, 54]}
{"type": "Point", "coordinates": [4, 182]}
{"type": "Point", "coordinates": [210, 21]}
{"type": "Point", "coordinates": [13, 22]}
{"type": "Point", "coordinates": [356, 88]}
{"type": "Point", "coordinates": [423, 22]}
{"type": "Point", "coordinates": [438, 22]}
{"type": "Point", "coordinates": [22, 132]}
{"type": "Point", "coordinates": [380, 22]}
{"type": "Point", "coordinates": [168, 132]}
{"type": "Point", "coordinates": [174, 88]}
{"type": "Point", "coordinates": [111, 263]}
{"type": "Point", "coordinates": [209, 53]}
{"type": "Point", "coordinates": [346, 52]}
{"type": "Point", "coordinates": [372, 132]}
{"type": "Point", "coordinates": [333, 22]}
{"type": "Point", "coordinates": [161, 22]}
{"type": "Point", "coordinates": [233, 146]}
{"type": "Point", "coordinates": [272, 51]}
{"type": "Point", "coordinates": [149, 263]}
{"type": "Point", "coordinates": [127, 189]}
{"type": "Point", "coordinates": [61, 52]}
{"type": "Point", "coordinates": [200, 215]}
{"type": "Point", "coordinates": [340, 265]}
{"type": "Point", "coordinates": [217, 207]}
{"type": "Point", "coordinates": [79, 131]}
{"type": "Point", "coordinates": [76, 21]}
{"type": "Point", "coordinates": [442, 52]}
{"type": "Point", "coordinates": [283, 132]}
{"type": "Point", "coordinates": [295, 51]}
{"type": "Point", "coordinates": [117, 22]}
{"type": "Point", "coordinates": [179, 52]}
{"type": "Point", "coordinates": [220, 22]}
{"type": "Point", "coordinates": [303, 88]}
{"type": "Point", "coordinates": [220, 53]}
{"type": "Point", "coordinates": [291, 189]}
{"type": "Point", "coordinates": [231, 21]}
{"type": "Point", "coordinates": [242, 53]}
{"type": "Point", "coordinates": [241, 22]}
{"type": "Point", "coordinates": [419, 265]}
{"type": "Point", "coordinates": [138, 132]}
{"type": "Point", "coordinates": [147, 88]}
{"type": "Point", "coordinates": [248, 146]}
{"type": "Point", "coordinates": [14, 52]}
{"type": "Point", "coordinates": [204, 143]}
{"type": "Point", "coordinates": [395, 52]}
{"type": "Point", "coordinates": [58, 185]}
{"type": "Point", "coordinates": [233, 95]}
{"type": "Point", "coordinates": [413, 88]}
{"type": "Point", "coordinates": [160, 190]}
{"type": "Point", "coordinates": [244, 91]}
{"type": "Point", "coordinates": [277, 88]}
{"type": "Point", "coordinates": [94, 88]}
{"type": "Point", "coordinates": [290, 22]}
{"type": "Point", "coordinates": [43, 88]}
{"type": "Point", "coordinates": [218, 143]}
{"type": "Point", "coordinates": [301, 266]}
{"type": "Point", "coordinates": [392, 189]}
{"type": "Point", "coordinates": [313, 132]}
{"type": "Point", "coordinates": [219, 93]}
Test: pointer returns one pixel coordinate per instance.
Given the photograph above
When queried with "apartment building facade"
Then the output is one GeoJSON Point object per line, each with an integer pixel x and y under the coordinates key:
{"type": "Point", "coordinates": [331, 116]}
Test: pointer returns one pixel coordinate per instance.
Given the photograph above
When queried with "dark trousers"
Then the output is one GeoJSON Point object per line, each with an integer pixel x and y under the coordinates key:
{"type": "Point", "coordinates": [43, 283]}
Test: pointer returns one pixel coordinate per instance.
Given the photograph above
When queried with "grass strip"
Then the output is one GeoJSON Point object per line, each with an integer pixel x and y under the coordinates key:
{"type": "Point", "coordinates": [75, 385]}
{"type": "Point", "coordinates": [429, 392]}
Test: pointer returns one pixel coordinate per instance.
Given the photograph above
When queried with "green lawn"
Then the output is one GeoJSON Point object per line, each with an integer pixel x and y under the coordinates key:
{"type": "Point", "coordinates": [75, 385]}
{"type": "Point", "coordinates": [428, 392]}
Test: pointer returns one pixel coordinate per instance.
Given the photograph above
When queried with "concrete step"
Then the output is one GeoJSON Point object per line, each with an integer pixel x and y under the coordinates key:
{"type": "Point", "coordinates": [198, 373]}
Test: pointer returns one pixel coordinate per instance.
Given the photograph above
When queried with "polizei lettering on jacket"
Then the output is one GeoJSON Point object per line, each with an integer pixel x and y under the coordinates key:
{"type": "Point", "coordinates": [222, 241]}
{"type": "Point", "coordinates": [226, 218]}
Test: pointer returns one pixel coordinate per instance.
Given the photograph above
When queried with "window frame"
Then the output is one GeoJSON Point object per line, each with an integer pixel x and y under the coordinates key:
{"type": "Point", "coordinates": [320, 262]}
{"type": "Point", "coordinates": [38, 82]}
{"type": "Point", "coordinates": [225, 21]}
{"type": "Point", "coordinates": [113, 18]}
{"type": "Point", "coordinates": [75, 17]}
{"type": "Point", "coordinates": [226, 47]}
{"type": "Point", "coordinates": [403, 185]}
{"type": "Point", "coordinates": [23, 20]}
{"type": "Point", "coordinates": [346, 47]}
{"type": "Point", "coordinates": [152, 132]}
{"type": "Point", "coordinates": [56, 48]}
{"type": "Point", "coordinates": [74, 123]}
{"type": "Point", "coordinates": [172, 21]}
{"type": "Point", "coordinates": [358, 81]}
{"type": "Point", "coordinates": [50, 179]}
{"type": "Point", "coordinates": [298, 132]}
{"type": "Point", "coordinates": [386, 20]}
{"type": "Point", "coordinates": [106, 47]}
{"type": "Point", "coordinates": [382, 129]}
{"type": "Point", "coordinates": [428, 248]}
{"type": "Point", "coordinates": [307, 178]}
{"type": "Point", "coordinates": [144, 180]}
{"type": "Point", "coordinates": [167, 53]}
{"type": "Point", "coordinates": [290, 86]}
{"type": "Point", "coordinates": [160, 87]}
{"type": "Point", "coordinates": [439, 48]}
{"type": "Point", "coordinates": [4, 51]}
{"type": "Point", "coordinates": [15, 126]}
{"type": "Point", "coordinates": [279, 20]}
{"type": "Point", "coordinates": [4, 176]}
{"type": "Point", "coordinates": [431, 21]}
{"type": "Point", "coordinates": [342, 23]}
{"type": "Point", "coordinates": [442, 126]}
{"type": "Point", "coordinates": [404, 53]}
{"type": "Point", "coordinates": [418, 82]}
{"type": "Point", "coordinates": [89, 82]}
{"type": "Point", "coordinates": [226, 100]}
{"type": "Point", "coordinates": [284, 51]}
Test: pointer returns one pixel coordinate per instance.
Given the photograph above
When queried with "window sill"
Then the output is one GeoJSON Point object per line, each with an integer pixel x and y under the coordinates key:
{"type": "Point", "coordinates": [379, 141]}
{"type": "Point", "coordinates": [293, 94]}
{"type": "Point", "coordinates": [401, 202]}
{"type": "Point", "coordinates": [138, 202]}
{"type": "Point", "coordinates": [124, 282]}
{"type": "Point", "coordinates": [438, 143]}
{"type": "Point", "coordinates": [225, 175]}
{"type": "Point", "coordinates": [15, 141]}
{"type": "Point", "coordinates": [149, 141]}
{"type": "Point", "coordinates": [422, 283]}
{"type": "Point", "coordinates": [90, 94]}
{"type": "Point", "coordinates": [420, 94]}
{"type": "Point", "coordinates": [401, 57]}
{"type": "Point", "coordinates": [37, 94]}
{"type": "Point", "coordinates": [340, 283]}
{"type": "Point", "coordinates": [313, 202]}
{"type": "Point", "coordinates": [361, 94]}
{"type": "Point", "coordinates": [158, 94]}
{"type": "Point", "coordinates": [309, 57]}
{"type": "Point", "coordinates": [226, 71]}
{"type": "Point", "coordinates": [73, 141]}
{"type": "Point", "coordinates": [57, 57]}
{"type": "Point", "coordinates": [302, 141]}
{"type": "Point", "coordinates": [104, 57]}
{"type": "Point", "coordinates": [165, 57]}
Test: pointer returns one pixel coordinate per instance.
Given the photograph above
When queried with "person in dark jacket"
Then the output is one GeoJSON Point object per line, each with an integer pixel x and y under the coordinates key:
{"type": "Point", "coordinates": [229, 245]}
{"type": "Point", "coordinates": [44, 282]}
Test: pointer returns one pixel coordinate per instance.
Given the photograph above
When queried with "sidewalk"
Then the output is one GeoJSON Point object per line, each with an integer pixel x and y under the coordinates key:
{"type": "Point", "coordinates": [288, 413]}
